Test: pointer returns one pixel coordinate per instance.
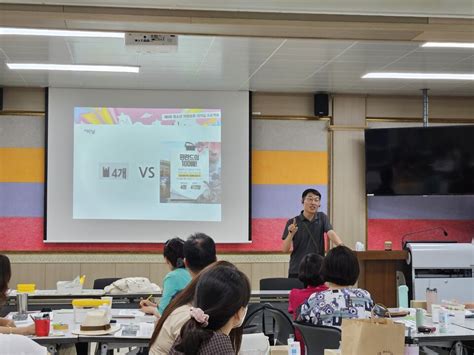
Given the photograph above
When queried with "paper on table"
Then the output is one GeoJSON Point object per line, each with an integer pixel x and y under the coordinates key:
{"type": "Point", "coordinates": [145, 331]}
{"type": "Point", "coordinates": [126, 313]}
{"type": "Point", "coordinates": [24, 323]}
{"type": "Point", "coordinates": [63, 311]}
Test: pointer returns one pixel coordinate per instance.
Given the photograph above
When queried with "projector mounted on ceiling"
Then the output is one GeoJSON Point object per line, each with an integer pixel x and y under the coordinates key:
{"type": "Point", "coordinates": [151, 42]}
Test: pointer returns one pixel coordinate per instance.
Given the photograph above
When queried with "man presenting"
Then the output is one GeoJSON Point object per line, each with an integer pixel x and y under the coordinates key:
{"type": "Point", "coordinates": [306, 231]}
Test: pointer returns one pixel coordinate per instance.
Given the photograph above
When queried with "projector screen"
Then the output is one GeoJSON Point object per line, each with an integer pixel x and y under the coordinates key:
{"type": "Point", "coordinates": [145, 166]}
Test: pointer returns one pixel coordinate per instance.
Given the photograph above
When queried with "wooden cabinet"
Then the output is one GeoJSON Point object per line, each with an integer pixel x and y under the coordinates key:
{"type": "Point", "coordinates": [378, 273]}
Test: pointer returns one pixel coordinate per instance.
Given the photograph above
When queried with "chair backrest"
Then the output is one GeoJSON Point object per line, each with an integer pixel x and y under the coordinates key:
{"type": "Point", "coordinates": [317, 338]}
{"type": "Point", "coordinates": [280, 283]}
{"type": "Point", "coordinates": [282, 324]}
{"type": "Point", "coordinates": [250, 323]}
{"type": "Point", "coordinates": [99, 284]}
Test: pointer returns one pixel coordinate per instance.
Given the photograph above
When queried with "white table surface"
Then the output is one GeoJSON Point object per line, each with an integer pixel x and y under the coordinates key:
{"type": "Point", "coordinates": [455, 332]}
{"type": "Point", "coordinates": [66, 316]}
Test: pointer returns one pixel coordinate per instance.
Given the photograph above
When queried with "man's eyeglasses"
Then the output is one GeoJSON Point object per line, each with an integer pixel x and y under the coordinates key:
{"type": "Point", "coordinates": [310, 199]}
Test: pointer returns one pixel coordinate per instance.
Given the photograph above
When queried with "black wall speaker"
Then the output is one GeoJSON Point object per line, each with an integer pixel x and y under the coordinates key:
{"type": "Point", "coordinates": [321, 104]}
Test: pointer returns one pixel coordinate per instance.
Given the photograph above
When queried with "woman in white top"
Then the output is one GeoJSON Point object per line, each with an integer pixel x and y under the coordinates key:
{"type": "Point", "coordinates": [7, 326]}
{"type": "Point", "coordinates": [15, 344]}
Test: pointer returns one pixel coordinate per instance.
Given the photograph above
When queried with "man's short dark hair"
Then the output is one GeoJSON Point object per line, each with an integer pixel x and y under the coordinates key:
{"type": "Point", "coordinates": [309, 272]}
{"type": "Point", "coordinates": [340, 266]}
{"type": "Point", "coordinates": [199, 251]}
{"type": "Point", "coordinates": [310, 191]}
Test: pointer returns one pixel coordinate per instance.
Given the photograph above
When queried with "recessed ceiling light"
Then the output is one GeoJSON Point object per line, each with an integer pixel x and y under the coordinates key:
{"type": "Point", "coordinates": [58, 33]}
{"type": "Point", "coordinates": [434, 76]}
{"type": "Point", "coordinates": [71, 67]}
{"type": "Point", "coordinates": [448, 45]}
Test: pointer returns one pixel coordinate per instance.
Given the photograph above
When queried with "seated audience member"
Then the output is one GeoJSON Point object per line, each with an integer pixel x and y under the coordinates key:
{"type": "Point", "coordinates": [7, 326]}
{"type": "Point", "coordinates": [340, 270]}
{"type": "Point", "coordinates": [14, 344]}
{"type": "Point", "coordinates": [219, 306]}
{"type": "Point", "coordinates": [199, 252]}
{"type": "Point", "coordinates": [309, 275]}
{"type": "Point", "coordinates": [174, 281]}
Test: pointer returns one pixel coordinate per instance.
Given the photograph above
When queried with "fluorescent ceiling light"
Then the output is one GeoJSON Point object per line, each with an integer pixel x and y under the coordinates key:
{"type": "Point", "coordinates": [73, 67]}
{"type": "Point", "coordinates": [448, 45]}
{"type": "Point", "coordinates": [58, 33]}
{"type": "Point", "coordinates": [423, 76]}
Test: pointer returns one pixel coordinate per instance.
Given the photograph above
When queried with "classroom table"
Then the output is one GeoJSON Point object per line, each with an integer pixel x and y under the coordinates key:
{"type": "Point", "coordinates": [85, 293]}
{"type": "Point", "coordinates": [56, 300]}
{"type": "Point", "coordinates": [457, 332]}
{"type": "Point", "coordinates": [123, 317]}
{"type": "Point", "coordinates": [112, 341]}
{"type": "Point", "coordinates": [52, 297]}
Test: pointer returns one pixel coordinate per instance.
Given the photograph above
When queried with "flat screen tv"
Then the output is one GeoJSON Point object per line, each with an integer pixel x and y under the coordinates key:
{"type": "Point", "coordinates": [420, 161]}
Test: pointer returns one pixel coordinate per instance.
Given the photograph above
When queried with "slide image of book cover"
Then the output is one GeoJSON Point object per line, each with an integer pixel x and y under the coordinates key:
{"type": "Point", "coordinates": [192, 174]}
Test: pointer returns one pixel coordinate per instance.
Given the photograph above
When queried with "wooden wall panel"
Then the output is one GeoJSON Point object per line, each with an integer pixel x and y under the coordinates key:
{"type": "Point", "coordinates": [96, 271]}
{"type": "Point", "coordinates": [264, 270]}
{"type": "Point", "coordinates": [132, 270]}
{"type": "Point", "coordinates": [349, 110]}
{"type": "Point", "coordinates": [45, 275]}
{"type": "Point", "coordinates": [158, 272]}
{"type": "Point", "coordinates": [348, 187]}
{"type": "Point", "coordinates": [23, 99]}
{"type": "Point", "coordinates": [347, 182]}
{"type": "Point", "coordinates": [278, 104]}
{"type": "Point", "coordinates": [28, 273]}
{"type": "Point", "coordinates": [412, 107]}
{"type": "Point", "coordinates": [60, 272]}
{"type": "Point", "coordinates": [246, 268]}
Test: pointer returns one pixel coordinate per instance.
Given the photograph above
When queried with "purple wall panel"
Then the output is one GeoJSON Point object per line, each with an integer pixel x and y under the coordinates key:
{"type": "Point", "coordinates": [282, 201]}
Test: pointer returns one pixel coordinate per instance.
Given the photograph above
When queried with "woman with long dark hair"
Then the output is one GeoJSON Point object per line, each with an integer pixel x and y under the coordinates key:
{"type": "Point", "coordinates": [176, 280]}
{"type": "Point", "coordinates": [219, 306]}
{"type": "Point", "coordinates": [178, 312]}
{"type": "Point", "coordinates": [7, 326]}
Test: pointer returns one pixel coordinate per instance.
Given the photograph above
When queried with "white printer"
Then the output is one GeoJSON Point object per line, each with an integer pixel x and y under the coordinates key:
{"type": "Point", "coordinates": [448, 267]}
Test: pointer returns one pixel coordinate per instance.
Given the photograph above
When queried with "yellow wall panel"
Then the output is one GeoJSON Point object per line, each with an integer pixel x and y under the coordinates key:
{"type": "Point", "coordinates": [21, 164]}
{"type": "Point", "coordinates": [289, 167]}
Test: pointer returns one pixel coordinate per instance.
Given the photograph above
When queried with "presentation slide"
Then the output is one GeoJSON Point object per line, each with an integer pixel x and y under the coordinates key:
{"type": "Point", "coordinates": [147, 164]}
{"type": "Point", "coordinates": [144, 166]}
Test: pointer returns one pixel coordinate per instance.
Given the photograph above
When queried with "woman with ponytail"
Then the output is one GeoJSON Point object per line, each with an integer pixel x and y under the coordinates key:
{"type": "Point", "coordinates": [178, 312]}
{"type": "Point", "coordinates": [176, 280]}
{"type": "Point", "coordinates": [218, 310]}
